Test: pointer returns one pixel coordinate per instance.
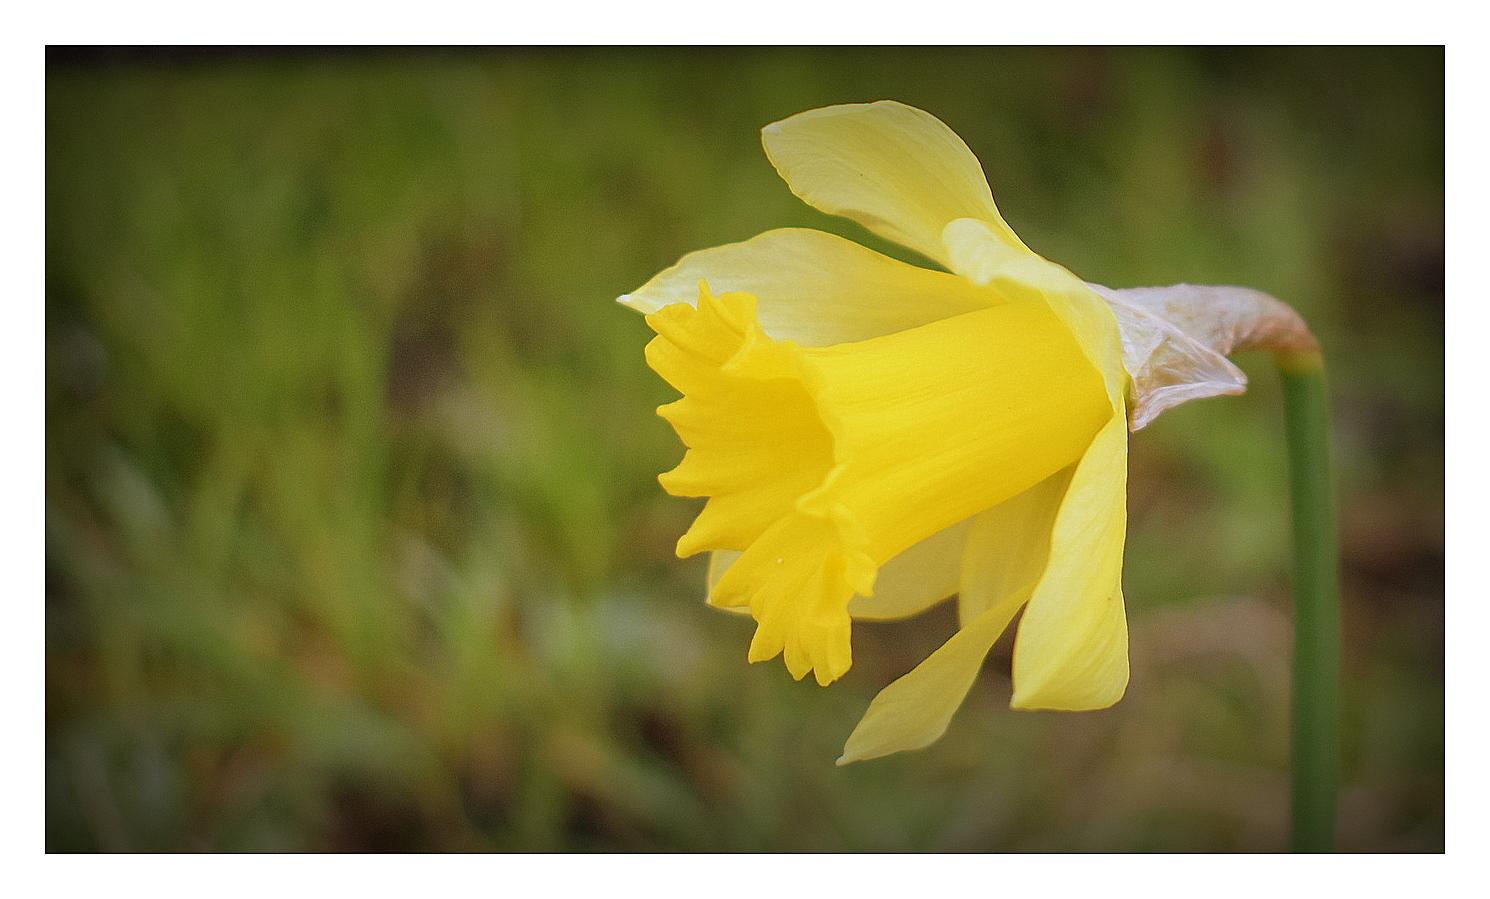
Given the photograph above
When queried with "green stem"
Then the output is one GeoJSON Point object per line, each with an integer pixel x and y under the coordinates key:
{"type": "Point", "coordinates": [1316, 663]}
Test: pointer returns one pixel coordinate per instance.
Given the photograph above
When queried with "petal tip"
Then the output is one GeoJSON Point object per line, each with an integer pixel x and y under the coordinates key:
{"type": "Point", "coordinates": [639, 303]}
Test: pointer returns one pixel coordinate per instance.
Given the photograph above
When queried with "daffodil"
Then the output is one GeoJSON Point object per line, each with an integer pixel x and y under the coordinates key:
{"type": "Point", "coordinates": [874, 437]}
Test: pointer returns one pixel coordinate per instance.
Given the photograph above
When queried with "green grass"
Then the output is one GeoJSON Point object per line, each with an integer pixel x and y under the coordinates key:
{"type": "Point", "coordinates": [353, 538]}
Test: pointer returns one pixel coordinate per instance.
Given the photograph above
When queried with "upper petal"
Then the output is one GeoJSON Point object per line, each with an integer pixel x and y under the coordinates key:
{"type": "Point", "coordinates": [816, 289]}
{"type": "Point", "coordinates": [982, 256]}
{"type": "Point", "coordinates": [896, 170]}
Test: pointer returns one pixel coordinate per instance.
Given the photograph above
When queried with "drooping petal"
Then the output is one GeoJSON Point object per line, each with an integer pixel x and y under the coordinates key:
{"type": "Point", "coordinates": [1176, 340]}
{"type": "Point", "coordinates": [1007, 548]}
{"type": "Point", "coordinates": [815, 288]}
{"type": "Point", "coordinates": [918, 578]}
{"type": "Point", "coordinates": [914, 711]}
{"type": "Point", "coordinates": [889, 405]}
{"type": "Point", "coordinates": [896, 170]}
{"type": "Point", "coordinates": [1004, 557]}
{"type": "Point", "coordinates": [1071, 651]}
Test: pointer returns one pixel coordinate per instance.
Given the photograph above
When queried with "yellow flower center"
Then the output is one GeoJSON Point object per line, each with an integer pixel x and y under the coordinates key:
{"type": "Point", "coordinates": [823, 463]}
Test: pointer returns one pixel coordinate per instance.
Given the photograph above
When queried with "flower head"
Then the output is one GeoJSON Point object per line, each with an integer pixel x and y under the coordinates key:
{"type": "Point", "coordinates": [874, 437]}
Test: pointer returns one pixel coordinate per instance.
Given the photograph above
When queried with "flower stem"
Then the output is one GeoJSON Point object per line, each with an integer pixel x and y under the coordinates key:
{"type": "Point", "coordinates": [1316, 662]}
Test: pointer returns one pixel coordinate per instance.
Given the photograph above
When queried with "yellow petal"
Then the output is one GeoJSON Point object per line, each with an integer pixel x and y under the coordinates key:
{"type": "Point", "coordinates": [719, 562]}
{"type": "Point", "coordinates": [1071, 651]}
{"type": "Point", "coordinates": [981, 255]}
{"type": "Point", "coordinates": [1008, 381]}
{"type": "Point", "coordinates": [1004, 557]}
{"type": "Point", "coordinates": [1007, 549]}
{"type": "Point", "coordinates": [896, 170]}
{"type": "Point", "coordinates": [814, 288]}
{"type": "Point", "coordinates": [918, 578]}
{"type": "Point", "coordinates": [914, 711]}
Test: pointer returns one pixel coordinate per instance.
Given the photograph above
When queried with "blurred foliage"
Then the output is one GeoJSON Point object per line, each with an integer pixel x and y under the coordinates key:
{"type": "Point", "coordinates": [353, 538]}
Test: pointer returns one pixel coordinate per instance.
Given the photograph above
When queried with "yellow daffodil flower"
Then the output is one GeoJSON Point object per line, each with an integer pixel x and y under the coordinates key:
{"type": "Point", "coordinates": [874, 437]}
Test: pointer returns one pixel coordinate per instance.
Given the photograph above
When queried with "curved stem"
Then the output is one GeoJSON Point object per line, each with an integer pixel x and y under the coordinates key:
{"type": "Point", "coordinates": [1316, 663]}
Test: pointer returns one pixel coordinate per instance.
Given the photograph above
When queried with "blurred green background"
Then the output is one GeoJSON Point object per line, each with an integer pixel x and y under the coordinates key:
{"type": "Point", "coordinates": [353, 538]}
